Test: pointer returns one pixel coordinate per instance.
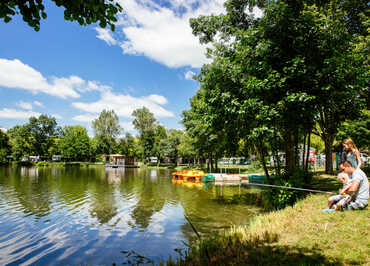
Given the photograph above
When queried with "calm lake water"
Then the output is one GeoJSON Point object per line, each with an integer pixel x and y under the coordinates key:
{"type": "Point", "coordinates": [90, 215]}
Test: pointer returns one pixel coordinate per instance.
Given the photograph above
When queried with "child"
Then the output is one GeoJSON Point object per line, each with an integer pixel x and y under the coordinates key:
{"type": "Point", "coordinates": [337, 201]}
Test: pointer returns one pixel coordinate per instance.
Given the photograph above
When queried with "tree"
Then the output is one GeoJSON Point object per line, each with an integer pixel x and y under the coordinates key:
{"type": "Point", "coordinates": [186, 147]}
{"type": "Point", "coordinates": [84, 12]}
{"type": "Point", "coordinates": [4, 146]}
{"type": "Point", "coordinates": [270, 78]}
{"type": "Point", "coordinates": [159, 145]}
{"type": "Point", "coordinates": [107, 129]}
{"type": "Point", "coordinates": [43, 130]}
{"type": "Point", "coordinates": [75, 143]}
{"type": "Point", "coordinates": [20, 141]}
{"type": "Point", "coordinates": [358, 130]}
{"type": "Point", "coordinates": [129, 146]}
{"type": "Point", "coordinates": [208, 136]}
{"type": "Point", "coordinates": [146, 124]}
{"type": "Point", "coordinates": [172, 143]}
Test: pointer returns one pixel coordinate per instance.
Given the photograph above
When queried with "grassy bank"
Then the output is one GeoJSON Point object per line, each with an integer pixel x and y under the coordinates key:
{"type": "Point", "coordinates": [298, 235]}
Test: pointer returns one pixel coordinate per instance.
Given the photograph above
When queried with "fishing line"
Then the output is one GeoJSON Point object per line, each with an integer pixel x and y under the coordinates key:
{"type": "Point", "coordinates": [292, 188]}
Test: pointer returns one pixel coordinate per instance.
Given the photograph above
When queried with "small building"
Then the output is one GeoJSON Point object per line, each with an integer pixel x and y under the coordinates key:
{"type": "Point", "coordinates": [118, 160]}
{"type": "Point", "coordinates": [152, 160]}
{"type": "Point", "coordinates": [56, 158]}
{"type": "Point", "coordinates": [32, 159]}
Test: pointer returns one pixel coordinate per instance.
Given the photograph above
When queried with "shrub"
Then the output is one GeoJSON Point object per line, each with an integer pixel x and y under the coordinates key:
{"type": "Point", "coordinates": [42, 163]}
{"type": "Point", "coordinates": [255, 165]}
{"type": "Point", "coordinates": [276, 198]}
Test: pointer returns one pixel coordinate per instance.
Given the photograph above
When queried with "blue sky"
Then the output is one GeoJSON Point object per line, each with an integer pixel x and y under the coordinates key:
{"type": "Point", "coordinates": [74, 72]}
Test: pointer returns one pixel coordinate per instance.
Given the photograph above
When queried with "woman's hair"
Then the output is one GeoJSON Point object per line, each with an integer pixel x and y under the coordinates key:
{"type": "Point", "coordinates": [351, 144]}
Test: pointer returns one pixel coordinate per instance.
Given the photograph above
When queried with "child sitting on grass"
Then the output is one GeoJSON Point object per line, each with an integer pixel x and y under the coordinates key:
{"type": "Point", "coordinates": [336, 202]}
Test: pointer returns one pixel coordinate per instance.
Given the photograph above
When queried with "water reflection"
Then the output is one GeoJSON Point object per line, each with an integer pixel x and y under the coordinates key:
{"type": "Point", "coordinates": [88, 215]}
{"type": "Point", "coordinates": [31, 173]}
{"type": "Point", "coordinates": [114, 175]}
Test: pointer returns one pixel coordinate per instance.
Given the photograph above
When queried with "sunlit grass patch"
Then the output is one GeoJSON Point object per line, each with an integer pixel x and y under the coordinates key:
{"type": "Point", "coordinates": [298, 235]}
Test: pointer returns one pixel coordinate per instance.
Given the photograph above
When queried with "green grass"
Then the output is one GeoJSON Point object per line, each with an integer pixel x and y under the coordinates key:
{"type": "Point", "coordinates": [298, 235]}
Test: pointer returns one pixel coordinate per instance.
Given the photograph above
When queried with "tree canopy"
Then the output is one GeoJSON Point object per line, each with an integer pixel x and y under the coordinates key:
{"type": "Point", "coordinates": [146, 124]}
{"type": "Point", "coordinates": [74, 143]}
{"type": "Point", "coordinates": [82, 11]}
{"type": "Point", "coordinates": [107, 130]}
{"type": "Point", "coordinates": [272, 78]}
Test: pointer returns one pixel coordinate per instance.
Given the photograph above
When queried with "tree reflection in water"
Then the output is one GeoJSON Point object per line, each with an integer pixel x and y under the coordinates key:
{"type": "Point", "coordinates": [89, 210]}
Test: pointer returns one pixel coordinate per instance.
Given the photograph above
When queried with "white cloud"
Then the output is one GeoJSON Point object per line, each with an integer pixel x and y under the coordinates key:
{"type": "Point", "coordinates": [162, 33]}
{"type": "Point", "coordinates": [25, 105]}
{"type": "Point", "coordinates": [189, 75]}
{"type": "Point", "coordinates": [105, 35]}
{"type": "Point", "coordinates": [3, 129]}
{"type": "Point", "coordinates": [17, 75]}
{"type": "Point", "coordinates": [123, 105]}
{"type": "Point", "coordinates": [15, 114]}
{"type": "Point", "coordinates": [127, 126]}
{"type": "Point", "coordinates": [57, 116]}
{"type": "Point", "coordinates": [38, 103]}
{"type": "Point", "coordinates": [85, 118]}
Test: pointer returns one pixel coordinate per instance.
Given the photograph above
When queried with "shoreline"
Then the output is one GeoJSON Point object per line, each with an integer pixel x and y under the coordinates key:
{"type": "Point", "coordinates": [296, 235]}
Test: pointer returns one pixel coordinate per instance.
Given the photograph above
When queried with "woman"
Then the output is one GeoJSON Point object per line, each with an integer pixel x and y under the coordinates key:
{"type": "Point", "coordinates": [351, 153]}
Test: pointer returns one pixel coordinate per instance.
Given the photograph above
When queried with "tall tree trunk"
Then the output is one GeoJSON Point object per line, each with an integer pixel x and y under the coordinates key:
{"type": "Point", "coordinates": [304, 149]}
{"type": "Point", "coordinates": [289, 153]}
{"type": "Point", "coordinates": [328, 153]}
{"type": "Point", "coordinates": [296, 148]}
{"type": "Point", "coordinates": [276, 155]}
{"type": "Point", "coordinates": [308, 149]}
{"type": "Point", "coordinates": [262, 152]}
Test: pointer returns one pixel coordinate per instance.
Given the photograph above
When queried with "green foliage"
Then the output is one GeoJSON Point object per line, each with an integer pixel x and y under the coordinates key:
{"type": "Point", "coordinates": [268, 79]}
{"type": "Point", "coordinates": [107, 129]}
{"type": "Point", "coordinates": [20, 141]}
{"type": "Point", "coordinates": [276, 198]}
{"type": "Point", "coordinates": [358, 130]}
{"type": "Point", "coordinates": [42, 164]}
{"type": "Point", "coordinates": [129, 146]}
{"type": "Point", "coordinates": [317, 143]}
{"type": "Point", "coordinates": [74, 143]}
{"type": "Point", "coordinates": [146, 124]}
{"type": "Point", "coordinates": [172, 142]}
{"type": "Point", "coordinates": [42, 131]}
{"type": "Point", "coordinates": [84, 12]}
{"type": "Point", "coordinates": [3, 156]}
{"type": "Point", "coordinates": [4, 147]}
{"type": "Point", "coordinates": [255, 165]}
{"type": "Point", "coordinates": [186, 147]}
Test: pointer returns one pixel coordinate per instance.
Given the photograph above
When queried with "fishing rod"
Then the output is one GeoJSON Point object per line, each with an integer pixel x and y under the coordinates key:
{"type": "Point", "coordinates": [292, 188]}
{"type": "Point", "coordinates": [196, 232]}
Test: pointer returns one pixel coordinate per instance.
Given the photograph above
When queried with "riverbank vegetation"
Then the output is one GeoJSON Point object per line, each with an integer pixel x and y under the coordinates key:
{"type": "Point", "coordinates": [297, 235]}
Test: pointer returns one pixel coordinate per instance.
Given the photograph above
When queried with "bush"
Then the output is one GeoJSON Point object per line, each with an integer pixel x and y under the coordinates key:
{"type": "Point", "coordinates": [280, 198]}
{"type": "Point", "coordinates": [3, 158]}
{"type": "Point", "coordinates": [41, 164]}
{"type": "Point", "coordinates": [255, 165]}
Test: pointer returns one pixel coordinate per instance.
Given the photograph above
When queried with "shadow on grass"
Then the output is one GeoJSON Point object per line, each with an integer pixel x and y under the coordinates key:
{"type": "Point", "coordinates": [231, 250]}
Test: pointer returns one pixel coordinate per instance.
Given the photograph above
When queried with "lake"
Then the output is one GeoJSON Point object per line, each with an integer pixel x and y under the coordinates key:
{"type": "Point", "coordinates": [92, 215]}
